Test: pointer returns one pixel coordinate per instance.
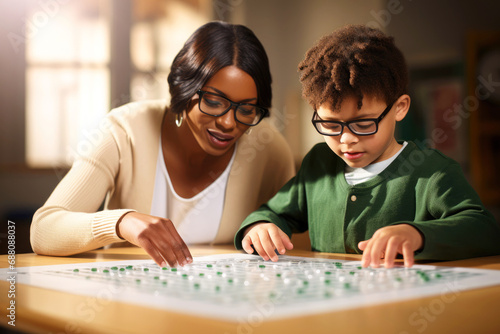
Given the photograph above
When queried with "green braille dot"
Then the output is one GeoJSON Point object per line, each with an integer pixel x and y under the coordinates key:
{"type": "Point", "coordinates": [278, 275]}
{"type": "Point", "coordinates": [114, 268]}
{"type": "Point", "coordinates": [94, 269]}
{"type": "Point", "coordinates": [164, 268]}
{"type": "Point", "coordinates": [438, 276]}
{"type": "Point", "coordinates": [122, 269]}
{"type": "Point", "coordinates": [399, 279]}
{"type": "Point", "coordinates": [352, 273]}
{"type": "Point", "coordinates": [228, 266]}
{"type": "Point", "coordinates": [105, 271]}
{"type": "Point", "coordinates": [184, 275]}
{"type": "Point", "coordinates": [305, 282]}
{"type": "Point", "coordinates": [230, 280]}
{"type": "Point", "coordinates": [328, 272]}
{"type": "Point", "coordinates": [196, 285]}
{"type": "Point", "coordinates": [219, 273]}
{"type": "Point", "coordinates": [338, 264]}
{"type": "Point", "coordinates": [173, 269]}
{"type": "Point", "coordinates": [209, 266]}
{"type": "Point", "coordinates": [76, 270]}
{"type": "Point", "coordinates": [272, 295]}
{"type": "Point", "coordinates": [202, 274]}
{"type": "Point", "coordinates": [157, 277]}
{"type": "Point", "coordinates": [146, 269]}
{"type": "Point", "coordinates": [327, 281]}
{"type": "Point", "coordinates": [300, 291]}
{"type": "Point", "coordinates": [359, 267]}
{"type": "Point", "coordinates": [164, 282]}
{"type": "Point", "coordinates": [130, 267]}
{"type": "Point", "coordinates": [217, 288]}
{"type": "Point", "coordinates": [261, 266]}
{"type": "Point", "coordinates": [138, 281]}
{"type": "Point", "coordinates": [347, 285]}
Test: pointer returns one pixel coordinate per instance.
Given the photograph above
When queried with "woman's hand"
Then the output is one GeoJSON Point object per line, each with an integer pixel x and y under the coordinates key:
{"type": "Point", "coordinates": [389, 241]}
{"type": "Point", "coordinates": [266, 238]}
{"type": "Point", "coordinates": [157, 236]}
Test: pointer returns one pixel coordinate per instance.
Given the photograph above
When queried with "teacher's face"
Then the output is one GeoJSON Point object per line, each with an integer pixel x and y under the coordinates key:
{"type": "Point", "coordinates": [217, 135]}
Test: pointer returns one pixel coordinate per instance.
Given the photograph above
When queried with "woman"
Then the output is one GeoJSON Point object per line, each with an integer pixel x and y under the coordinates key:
{"type": "Point", "coordinates": [186, 173]}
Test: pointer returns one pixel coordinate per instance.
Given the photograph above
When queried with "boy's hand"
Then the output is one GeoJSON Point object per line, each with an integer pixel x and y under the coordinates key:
{"type": "Point", "coordinates": [265, 238]}
{"type": "Point", "coordinates": [389, 241]}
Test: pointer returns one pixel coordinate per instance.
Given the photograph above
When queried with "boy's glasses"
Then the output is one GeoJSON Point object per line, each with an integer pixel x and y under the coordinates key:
{"type": "Point", "coordinates": [217, 105]}
{"type": "Point", "coordinates": [360, 127]}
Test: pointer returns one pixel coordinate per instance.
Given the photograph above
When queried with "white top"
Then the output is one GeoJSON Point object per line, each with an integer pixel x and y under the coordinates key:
{"type": "Point", "coordinates": [355, 176]}
{"type": "Point", "coordinates": [197, 218]}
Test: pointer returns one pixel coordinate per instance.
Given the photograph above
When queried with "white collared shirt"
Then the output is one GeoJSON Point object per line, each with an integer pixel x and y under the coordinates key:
{"type": "Point", "coordinates": [355, 176]}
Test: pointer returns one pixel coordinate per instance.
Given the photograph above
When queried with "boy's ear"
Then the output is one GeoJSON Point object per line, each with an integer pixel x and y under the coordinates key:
{"type": "Point", "coordinates": [402, 106]}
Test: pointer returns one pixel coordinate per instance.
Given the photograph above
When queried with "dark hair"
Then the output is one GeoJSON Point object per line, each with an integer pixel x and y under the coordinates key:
{"type": "Point", "coordinates": [210, 48]}
{"type": "Point", "coordinates": [353, 61]}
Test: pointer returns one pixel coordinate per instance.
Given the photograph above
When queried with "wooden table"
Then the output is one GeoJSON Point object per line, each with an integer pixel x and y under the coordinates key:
{"type": "Point", "coordinates": [46, 311]}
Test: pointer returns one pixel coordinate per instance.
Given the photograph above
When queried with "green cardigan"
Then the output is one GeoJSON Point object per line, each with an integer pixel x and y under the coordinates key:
{"type": "Point", "coordinates": [421, 187]}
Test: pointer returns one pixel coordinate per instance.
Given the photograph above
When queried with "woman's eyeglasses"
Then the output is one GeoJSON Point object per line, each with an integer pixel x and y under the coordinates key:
{"type": "Point", "coordinates": [217, 105]}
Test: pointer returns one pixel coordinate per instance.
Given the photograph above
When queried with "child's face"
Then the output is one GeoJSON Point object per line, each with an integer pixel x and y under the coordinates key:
{"type": "Point", "coordinates": [360, 151]}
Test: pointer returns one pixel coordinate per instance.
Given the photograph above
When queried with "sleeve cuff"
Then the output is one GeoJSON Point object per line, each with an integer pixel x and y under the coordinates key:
{"type": "Point", "coordinates": [104, 225]}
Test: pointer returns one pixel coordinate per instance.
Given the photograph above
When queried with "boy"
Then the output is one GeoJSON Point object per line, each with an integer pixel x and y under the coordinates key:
{"type": "Point", "coordinates": [362, 190]}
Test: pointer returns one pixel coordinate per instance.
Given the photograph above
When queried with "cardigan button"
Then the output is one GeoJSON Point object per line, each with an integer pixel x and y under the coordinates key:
{"type": "Point", "coordinates": [353, 198]}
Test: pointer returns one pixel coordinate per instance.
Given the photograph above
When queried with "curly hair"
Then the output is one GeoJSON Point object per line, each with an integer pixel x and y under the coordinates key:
{"type": "Point", "coordinates": [353, 61]}
{"type": "Point", "coordinates": [210, 48]}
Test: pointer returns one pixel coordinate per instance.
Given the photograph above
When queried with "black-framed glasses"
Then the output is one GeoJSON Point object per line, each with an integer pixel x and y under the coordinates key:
{"type": "Point", "coordinates": [217, 105]}
{"type": "Point", "coordinates": [360, 127]}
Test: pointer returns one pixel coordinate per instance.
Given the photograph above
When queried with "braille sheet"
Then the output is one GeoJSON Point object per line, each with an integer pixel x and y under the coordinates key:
{"type": "Point", "coordinates": [234, 287]}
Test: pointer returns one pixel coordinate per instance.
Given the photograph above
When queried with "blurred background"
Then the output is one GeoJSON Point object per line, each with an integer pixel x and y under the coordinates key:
{"type": "Point", "coordinates": [65, 63]}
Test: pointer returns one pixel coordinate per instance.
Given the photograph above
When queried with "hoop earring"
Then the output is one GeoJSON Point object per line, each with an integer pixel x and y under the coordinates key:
{"type": "Point", "coordinates": [178, 120]}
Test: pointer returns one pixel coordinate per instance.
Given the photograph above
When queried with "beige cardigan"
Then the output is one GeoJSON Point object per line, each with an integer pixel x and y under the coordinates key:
{"type": "Point", "coordinates": [118, 162]}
